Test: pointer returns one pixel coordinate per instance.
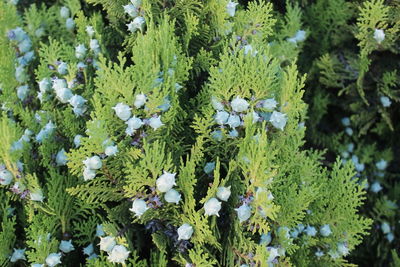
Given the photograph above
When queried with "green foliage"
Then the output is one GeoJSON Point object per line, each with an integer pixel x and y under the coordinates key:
{"type": "Point", "coordinates": [127, 112]}
{"type": "Point", "coordinates": [353, 102]}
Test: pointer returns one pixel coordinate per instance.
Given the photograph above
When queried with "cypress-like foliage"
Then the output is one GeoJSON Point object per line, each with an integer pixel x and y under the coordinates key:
{"type": "Point", "coordinates": [173, 133]}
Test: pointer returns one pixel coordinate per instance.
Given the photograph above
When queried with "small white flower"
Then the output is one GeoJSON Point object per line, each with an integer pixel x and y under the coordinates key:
{"type": "Point", "coordinates": [131, 10]}
{"type": "Point", "coordinates": [94, 46]}
{"type": "Point", "coordinates": [71, 84]}
{"type": "Point", "coordinates": [59, 84]}
{"type": "Point", "coordinates": [79, 111]}
{"type": "Point", "coordinates": [300, 227]}
{"type": "Point", "coordinates": [122, 111]}
{"type": "Point", "coordinates": [93, 163]}
{"type": "Point", "coordinates": [45, 132]}
{"type": "Point", "coordinates": [379, 35]}
{"type": "Point", "coordinates": [22, 92]}
{"type": "Point", "coordinates": [390, 237]}
{"type": "Point", "coordinates": [310, 231]}
{"type": "Point", "coordinates": [243, 212]}
{"type": "Point", "coordinates": [273, 253]}
{"type": "Point", "coordinates": [166, 105]}
{"type": "Point", "coordinates": [178, 87]}
{"type": "Point", "coordinates": [80, 51]}
{"type": "Point", "coordinates": [325, 230]}
{"type": "Point", "coordinates": [95, 64]}
{"type": "Point", "coordinates": [136, 24]}
{"type": "Point", "coordinates": [134, 123]}
{"type": "Point", "coordinates": [385, 101]}
{"type": "Point", "coordinates": [346, 121]}
{"type": "Point", "coordinates": [278, 120]}
{"type": "Point", "coordinates": [381, 165]}
{"type": "Point", "coordinates": [111, 150]}
{"type": "Point", "coordinates": [17, 145]}
{"type": "Point", "coordinates": [64, 94]}
{"type": "Point", "coordinates": [70, 24]}
{"type": "Point", "coordinates": [99, 230]}
{"type": "Point", "coordinates": [300, 36]}
{"type": "Point", "coordinates": [294, 233]}
{"type": "Point", "coordinates": [40, 96]}
{"type": "Point", "coordinates": [350, 148]}
{"type": "Point", "coordinates": [118, 254]}
{"type": "Point", "coordinates": [172, 196]}
{"type": "Point", "coordinates": [37, 265]}
{"type": "Point", "coordinates": [334, 254]}
{"type": "Point", "coordinates": [233, 133]}
{"type": "Point", "coordinates": [53, 259]}
{"type": "Point", "coordinates": [212, 207]}
{"type": "Point", "coordinates": [216, 104]}
{"type": "Point", "coordinates": [217, 135]}
{"type": "Point", "coordinates": [64, 12]}
{"type": "Point", "coordinates": [376, 187]}
{"type": "Point", "coordinates": [61, 158]}
{"type": "Point", "coordinates": [209, 168]}
{"type": "Point", "coordinates": [185, 232]}
{"type": "Point", "coordinates": [77, 101]}
{"type": "Point", "coordinates": [239, 104]}
{"type": "Point", "coordinates": [41, 135]}
{"type": "Point", "coordinates": [256, 117]}
{"type": "Point", "coordinates": [292, 40]}
{"type": "Point", "coordinates": [80, 66]}
{"type": "Point", "coordinates": [36, 195]}
{"type": "Point", "coordinates": [360, 167]}
{"type": "Point", "coordinates": [354, 159]}
{"type": "Point", "coordinates": [265, 239]}
{"type": "Point", "coordinates": [88, 250]}
{"type": "Point", "coordinates": [45, 85]}
{"type": "Point", "coordinates": [343, 249]}
{"type": "Point", "coordinates": [17, 255]}
{"type": "Point", "coordinates": [20, 74]}
{"type": "Point", "coordinates": [139, 207]}
{"type": "Point", "coordinates": [90, 31]}
{"type": "Point", "coordinates": [18, 34]}
{"type": "Point", "coordinates": [39, 32]}
{"type": "Point", "coordinates": [107, 142]}
{"type": "Point", "coordinates": [25, 46]}
{"type": "Point", "coordinates": [155, 122]}
{"type": "Point", "coordinates": [221, 117]}
{"type": "Point", "coordinates": [140, 100]}
{"type": "Point", "coordinates": [130, 131]}
{"type": "Point", "coordinates": [319, 253]}
{"type": "Point", "coordinates": [231, 8]}
{"type": "Point", "coordinates": [29, 56]}
{"type": "Point", "coordinates": [270, 103]}
{"type": "Point", "coordinates": [77, 140]}
{"type": "Point", "coordinates": [25, 138]}
{"type": "Point", "coordinates": [66, 246]}
{"type": "Point", "coordinates": [88, 174]}
{"type": "Point", "coordinates": [234, 121]}
{"type": "Point", "coordinates": [28, 132]}
{"type": "Point", "coordinates": [165, 182]}
{"type": "Point", "coordinates": [248, 49]}
{"type": "Point", "coordinates": [107, 243]}
{"type": "Point", "coordinates": [385, 228]}
{"type": "Point", "coordinates": [136, 3]}
{"type": "Point", "coordinates": [223, 193]}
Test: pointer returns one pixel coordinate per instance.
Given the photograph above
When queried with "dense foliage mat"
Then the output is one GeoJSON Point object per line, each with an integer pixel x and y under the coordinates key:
{"type": "Point", "coordinates": [176, 133]}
